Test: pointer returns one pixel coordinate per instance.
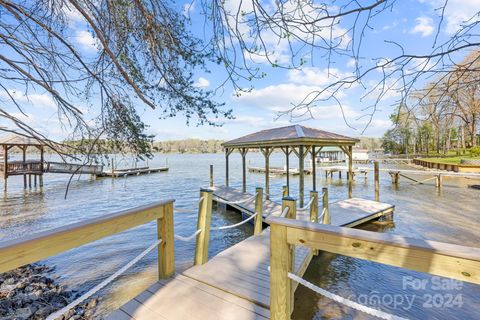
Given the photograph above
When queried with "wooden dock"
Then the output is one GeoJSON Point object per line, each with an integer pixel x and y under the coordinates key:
{"type": "Point", "coordinates": [278, 171]}
{"type": "Point", "coordinates": [235, 284]}
{"type": "Point", "coordinates": [131, 172]}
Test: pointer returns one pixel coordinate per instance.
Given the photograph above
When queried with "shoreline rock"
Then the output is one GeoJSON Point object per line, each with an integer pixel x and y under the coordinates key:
{"type": "Point", "coordinates": [29, 292]}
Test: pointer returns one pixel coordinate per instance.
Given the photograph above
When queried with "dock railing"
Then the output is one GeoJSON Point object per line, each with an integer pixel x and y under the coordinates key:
{"type": "Point", "coordinates": [18, 252]}
{"type": "Point", "coordinates": [435, 258]}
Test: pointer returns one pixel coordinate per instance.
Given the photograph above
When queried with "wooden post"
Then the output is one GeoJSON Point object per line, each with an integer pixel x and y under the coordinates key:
{"type": "Point", "coordinates": [350, 172]}
{"type": "Point", "coordinates": [211, 175]}
{"type": "Point", "coordinates": [113, 169]}
{"type": "Point", "coordinates": [287, 156]}
{"type": "Point", "coordinates": [203, 223]}
{"type": "Point", "coordinates": [166, 250]}
{"type": "Point", "coordinates": [5, 167]}
{"type": "Point", "coordinates": [280, 266]}
{"type": "Point", "coordinates": [301, 180]}
{"type": "Point", "coordinates": [266, 153]}
{"type": "Point", "coordinates": [41, 166]}
{"type": "Point", "coordinates": [314, 168]}
{"type": "Point", "coordinates": [314, 206]}
{"type": "Point", "coordinates": [243, 152]}
{"type": "Point", "coordinates": [438, 181]}
{"type": "Point", "coordinates": [291, 203]}
{"type": "Point", "coordinates": [226, 166]}
{"type": "Point", "coordinates": [29, 180]}
{"type": "Point", "coordinates": [24, 152]}
{"type": "Point", "coordinates": [35, 180]}
{"type": "Point", "coordinates": [285, 192]}
{"type": "Point", "coordinates": [259, 210]}
{"type": "Point", "coordinates": [326, 216]}
{"type": "Point", "coordinates": [377, 180]}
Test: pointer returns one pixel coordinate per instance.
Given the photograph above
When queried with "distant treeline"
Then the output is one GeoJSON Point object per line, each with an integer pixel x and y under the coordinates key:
{"type": "Point", "coordinates": [188, 146]}
{"type": "Point", "coordinates": [172, 146]}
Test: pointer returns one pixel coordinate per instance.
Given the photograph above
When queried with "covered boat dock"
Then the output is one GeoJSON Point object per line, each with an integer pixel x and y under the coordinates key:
{"type": "Point", "coordinates": [296, 139]}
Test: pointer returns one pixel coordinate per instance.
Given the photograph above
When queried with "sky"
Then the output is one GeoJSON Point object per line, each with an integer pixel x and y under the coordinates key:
{"type": "Point", "coordinates": [413, 23]}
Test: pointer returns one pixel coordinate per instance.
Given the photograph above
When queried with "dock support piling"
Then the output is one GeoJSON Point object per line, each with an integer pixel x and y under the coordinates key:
{"type": "Point", "coordinates": [280, 266]}
{"type": "Point", "coordinates": [314, 169]}
{"type": "Point", "coordinates": [438, 181]}
{"type": "Point", "coordinates": [227, 154]}
{"type": "Point", "coordinates": [326, 215]}
{"type": "Point", "coordinates": [243, 152]}
{"type": "Point", "coordinates": [166, 251]}
{"type": "Point", "coordinates": [377, 180]}
{"type": "Point", "coordinates": [258, 210]}
{"type": "Point", "coordinates": [203, 223]}
{"type": "Point", "coordinates": [211, 175]}
{"type": "Point", "coordinates": [291, 203]}
{"type": "Point", "coordinates": [285, 192]}
{"type": "Point", "coordinates": [314, 206]}
{"type": "Point", "coordinates": [301, 169]}
{"type": "Point", "coordinates": [350, 172]}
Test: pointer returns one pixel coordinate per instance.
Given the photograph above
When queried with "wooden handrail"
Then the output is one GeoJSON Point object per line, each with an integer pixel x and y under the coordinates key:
{"type": "Point", "coordinates": [29, 249]}
{"type": "Point", "coordinates": [436, 258]}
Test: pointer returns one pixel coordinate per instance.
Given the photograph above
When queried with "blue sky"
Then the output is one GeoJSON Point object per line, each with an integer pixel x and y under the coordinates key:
{"type": "Point", "coordinates": [412, 23]}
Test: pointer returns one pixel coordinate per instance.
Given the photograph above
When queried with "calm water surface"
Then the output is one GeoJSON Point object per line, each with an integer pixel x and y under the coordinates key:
{"type": "Point", "coordinates": [451, 214]}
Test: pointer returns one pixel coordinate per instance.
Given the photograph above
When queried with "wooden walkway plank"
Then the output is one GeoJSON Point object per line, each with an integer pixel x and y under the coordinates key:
{"type": "Point", "coordinates": [184, 298]}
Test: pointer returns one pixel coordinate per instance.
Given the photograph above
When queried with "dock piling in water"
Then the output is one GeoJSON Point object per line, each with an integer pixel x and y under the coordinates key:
{"type": "Point", "coordinates": [377, 180]}
{"type": "Point", "coordinates": [326, 216]}
{"type": "Point", "coordinates": [258, 210]}
{"type": "Point", "coordinates": [203, 223]}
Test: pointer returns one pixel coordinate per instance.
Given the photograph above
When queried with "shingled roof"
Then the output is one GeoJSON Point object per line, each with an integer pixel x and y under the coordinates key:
{"type": "Point", "coordinates": [18, 140]}
{"type": "Point", "coordinates": [291, 136]}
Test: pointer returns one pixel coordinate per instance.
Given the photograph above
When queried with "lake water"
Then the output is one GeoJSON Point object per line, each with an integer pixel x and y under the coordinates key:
{"type": "Point", "coordinates": [450, 214]}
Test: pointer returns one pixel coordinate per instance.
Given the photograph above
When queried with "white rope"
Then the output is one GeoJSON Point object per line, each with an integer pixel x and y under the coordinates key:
{"type": "Point", "coordinates": [102, 284]}
{"type": "Point", "coordinates": [236, 224]}
{"type": "Point", "coordinates": [320, 217]}
{"type": "Point", "coordinates": [201, 199]}
{"type": "Point", "coordinates": [342, 300]}
{"type": "Point", "coordinates": [307, 207]}
{"type": "Point", "coordinates": [237, 202]}
{"type": "Point", "coordinates": [186, 239]}
{"type": "Point", "coordinates": [284, 212]}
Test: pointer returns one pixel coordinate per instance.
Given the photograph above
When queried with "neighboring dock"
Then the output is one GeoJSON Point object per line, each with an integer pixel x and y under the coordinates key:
{"type": "Point", "coordinates": [395, 174]}
{"type": "Point", "coordinates": [235, 284]}
{"type": "Point", "coordinates": [131, 172]}
{"type": "Point", "coordinates": [279, 171]}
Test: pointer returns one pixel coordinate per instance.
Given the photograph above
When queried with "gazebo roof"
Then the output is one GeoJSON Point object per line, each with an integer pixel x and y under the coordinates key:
{"type": "Point", "coordinates": [294, 135]}
{"type": "Point", "coordinates": [19, 140]}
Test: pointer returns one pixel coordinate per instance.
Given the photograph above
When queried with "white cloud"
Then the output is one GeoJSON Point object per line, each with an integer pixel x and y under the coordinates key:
{"type": "Point", "coordinates": [36, 100]}
{"type": "Point", "coordinates": [188, 8]}
{"type": "Point", "coordinates": [424, 26]}
{"type": "Point", "coordinates": [315, 76]}
{"type": "Point", "coordinates": [86, 40]}
{"type": "Point", "coordinates": [351, 63]}
{"type": "Point", "coordinates": [456, 12]}
{"type": "Point", "coordinates": [202, 83]}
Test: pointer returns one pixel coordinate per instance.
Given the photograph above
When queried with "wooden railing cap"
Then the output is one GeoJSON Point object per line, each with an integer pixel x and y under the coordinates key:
{"type": "Point", "coordinates": [82, 224]}
{"type": "Point", "coordinates": [460, 251]}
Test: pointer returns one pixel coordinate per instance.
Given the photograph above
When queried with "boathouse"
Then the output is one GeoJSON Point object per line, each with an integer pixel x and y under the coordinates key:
{"type": "Point", "coordinates": [21, 167]}
{"type": "Point", "coordinates": [298, 139]}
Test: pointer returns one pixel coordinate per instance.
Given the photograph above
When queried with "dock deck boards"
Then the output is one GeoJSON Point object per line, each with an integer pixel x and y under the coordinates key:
{"type": "Point", "coordinates": [235, 284]}
{"type": "Point", "coordinates": [344, 213]}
